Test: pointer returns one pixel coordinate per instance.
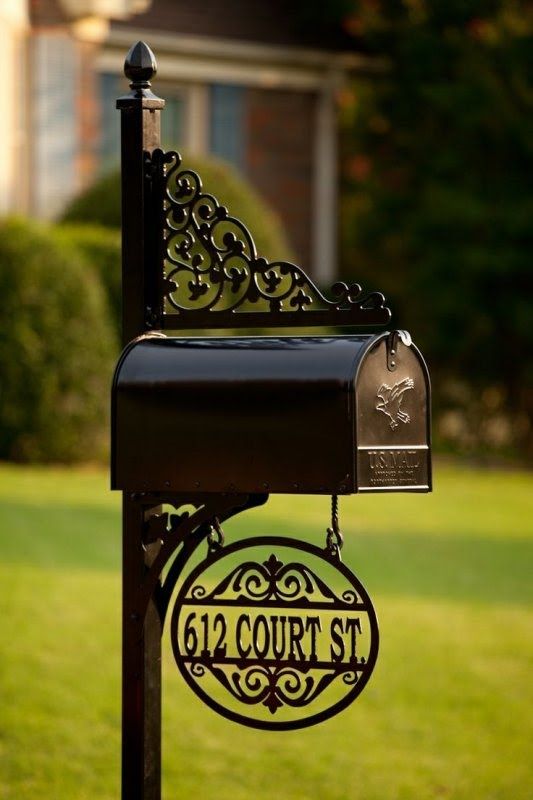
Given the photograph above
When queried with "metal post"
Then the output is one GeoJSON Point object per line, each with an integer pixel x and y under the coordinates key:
{"type": "Point", "coordinates": [140, 136]}
{"type": "Point", "coordinates": [141, 669]}
{"type": "Point", "coordinates": [141, 647]}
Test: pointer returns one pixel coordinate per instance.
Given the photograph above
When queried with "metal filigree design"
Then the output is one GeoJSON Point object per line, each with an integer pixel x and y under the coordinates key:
{"type": "Point", "coordinates": [214, 277]}
{"type": "Point", "coordinates": [277, 686]}
{"type": "Point", "coordinates": [164, 532]}
{"type": "Point", "coordinates": [273, 581]}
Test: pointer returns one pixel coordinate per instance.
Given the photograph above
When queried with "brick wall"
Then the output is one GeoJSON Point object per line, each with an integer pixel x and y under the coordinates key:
{"type": "Point", "coordinates": [279, 159]}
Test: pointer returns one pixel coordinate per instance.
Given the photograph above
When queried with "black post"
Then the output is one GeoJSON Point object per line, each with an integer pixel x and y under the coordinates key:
{"type": "Point", "coordinates": [140, 117]}
{"type": "Point", "coordinates": [141, 668]}
{"type": "Point", "coordinates": [141, 632]}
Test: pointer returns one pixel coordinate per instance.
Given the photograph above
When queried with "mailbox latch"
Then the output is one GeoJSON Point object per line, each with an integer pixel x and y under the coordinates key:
{"type": "Point", "coordinates": [392, 347]}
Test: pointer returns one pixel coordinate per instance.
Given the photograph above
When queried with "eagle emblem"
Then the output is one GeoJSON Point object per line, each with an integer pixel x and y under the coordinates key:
{"type": "Point", "coordinates": [391, 400]}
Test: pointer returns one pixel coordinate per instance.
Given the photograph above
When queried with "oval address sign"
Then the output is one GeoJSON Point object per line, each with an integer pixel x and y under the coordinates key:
{"type": "Point", "coordinates": [274, 633]}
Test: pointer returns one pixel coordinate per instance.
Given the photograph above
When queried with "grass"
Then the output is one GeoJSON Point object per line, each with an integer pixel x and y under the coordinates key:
{"type": "Point", "coordinates": [445, 715]}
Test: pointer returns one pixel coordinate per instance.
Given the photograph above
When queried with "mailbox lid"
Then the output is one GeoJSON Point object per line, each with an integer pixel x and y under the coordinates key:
{"type": "Point", "coordinates": [247, 414]}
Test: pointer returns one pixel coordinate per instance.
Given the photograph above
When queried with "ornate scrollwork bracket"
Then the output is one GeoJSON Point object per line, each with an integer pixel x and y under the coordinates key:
{"type": "Point", "coordinates": [166, 533]}
{"type": "Point", "coordinates": [211, 275]}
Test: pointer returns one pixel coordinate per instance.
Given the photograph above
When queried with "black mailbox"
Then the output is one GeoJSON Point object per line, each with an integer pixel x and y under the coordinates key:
{"type": "Point", "coordinates": [331, 415]}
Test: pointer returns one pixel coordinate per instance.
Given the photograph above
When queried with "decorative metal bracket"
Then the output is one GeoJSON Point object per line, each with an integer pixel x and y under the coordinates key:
{"type": "Point", "coordinates": [165, 533]}
{"type": "Point", "coordinates": [212, 277]}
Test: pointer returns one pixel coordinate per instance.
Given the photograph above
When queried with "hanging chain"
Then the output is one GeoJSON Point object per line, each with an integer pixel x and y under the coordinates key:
{"type": "Point", "coordinates": [215, 537]}
{"type": "Point", "coordinates": [334, 538]}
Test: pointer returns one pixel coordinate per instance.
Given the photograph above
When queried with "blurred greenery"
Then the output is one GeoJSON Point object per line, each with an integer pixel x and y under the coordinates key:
{"type": "Point", "coordinates": [437, 202]}
{"type": "Point", "coordinates": [446, 713]}
{"type": "Point", "coordinates": [100, 246]}
{"type": "Point", "coordinates": [57, 348]}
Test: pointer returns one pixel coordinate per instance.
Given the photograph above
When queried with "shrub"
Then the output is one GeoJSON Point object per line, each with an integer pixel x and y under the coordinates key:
{"type": "Point", "coordinates": [56, 349]}
{"type": "Point", "coordinates": [100, 246]}
{"type": "Point", "coordinates": [100, 204]}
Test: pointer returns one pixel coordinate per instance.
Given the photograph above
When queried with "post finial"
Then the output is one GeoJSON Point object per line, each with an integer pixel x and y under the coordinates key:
{"type": "Point", "coordinates": [140, 66]}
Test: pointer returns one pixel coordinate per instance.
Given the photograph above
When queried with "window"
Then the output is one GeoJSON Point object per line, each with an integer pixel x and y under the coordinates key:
{"type": "Point", "coordinates": [173, 116]}
{"type": "Point", "coordinates": [111, 87]}
{"type": "Point", "coordinates": [227, 137]}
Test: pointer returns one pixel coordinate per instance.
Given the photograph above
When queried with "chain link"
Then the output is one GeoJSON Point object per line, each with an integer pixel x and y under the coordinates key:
{"type": "Point", "coordinates": [215, 537]}
{"type": "Point", "coordinates": [334, 537]}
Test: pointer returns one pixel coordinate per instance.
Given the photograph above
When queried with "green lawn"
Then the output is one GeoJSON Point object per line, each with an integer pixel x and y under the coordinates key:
{"type": "Point", "coordinates": [447, 713]}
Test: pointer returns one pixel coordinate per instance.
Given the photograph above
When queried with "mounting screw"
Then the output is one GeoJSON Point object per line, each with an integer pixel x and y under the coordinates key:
{"type": "Point", "coordinates": [151, 317]}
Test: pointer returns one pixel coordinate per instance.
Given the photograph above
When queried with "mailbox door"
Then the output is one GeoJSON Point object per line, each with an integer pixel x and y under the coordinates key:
{"type": "Point", "coordinates": [393, 420]}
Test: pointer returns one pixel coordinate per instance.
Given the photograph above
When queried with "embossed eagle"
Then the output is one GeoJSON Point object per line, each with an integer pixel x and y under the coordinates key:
{"type": "Point", "coordinates": [391, 400]}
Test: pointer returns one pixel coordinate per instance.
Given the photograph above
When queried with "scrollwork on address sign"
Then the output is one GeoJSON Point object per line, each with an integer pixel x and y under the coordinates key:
{"type": "Point", "coordinates": [273, 687]}
{"type": "Point", "coordinates": [273, 581]}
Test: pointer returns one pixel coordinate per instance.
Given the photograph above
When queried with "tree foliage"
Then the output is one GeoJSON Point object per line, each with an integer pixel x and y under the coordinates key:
{"type": "Point", "coordinates": [438, 207]}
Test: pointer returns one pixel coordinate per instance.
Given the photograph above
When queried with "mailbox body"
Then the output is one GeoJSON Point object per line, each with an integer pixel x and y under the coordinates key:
{"type": "Point", "coordinates": [314, 415]}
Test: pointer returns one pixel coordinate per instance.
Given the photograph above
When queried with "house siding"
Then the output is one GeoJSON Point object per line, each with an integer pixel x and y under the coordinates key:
{"type": "Point", "coordinates": [279, 160]}
{"type": "Point", "coordinates": [251, 81]}
{"type": "Point", "coordinates": [55, 124]}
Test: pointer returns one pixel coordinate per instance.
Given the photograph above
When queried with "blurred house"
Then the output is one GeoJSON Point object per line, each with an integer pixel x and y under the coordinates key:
{"type": "Point", "coordinates": [251, 82]}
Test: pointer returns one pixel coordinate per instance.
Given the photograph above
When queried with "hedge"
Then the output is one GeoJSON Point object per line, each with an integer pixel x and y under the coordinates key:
{"type": "Point", "coordinates": [101, 247]}
{"type": "Point", "coordinates": [57, 348]}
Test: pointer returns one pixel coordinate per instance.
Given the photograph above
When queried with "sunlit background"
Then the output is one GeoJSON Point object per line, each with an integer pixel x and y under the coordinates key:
{"type": "Point", "coordinates": [388, 143]}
